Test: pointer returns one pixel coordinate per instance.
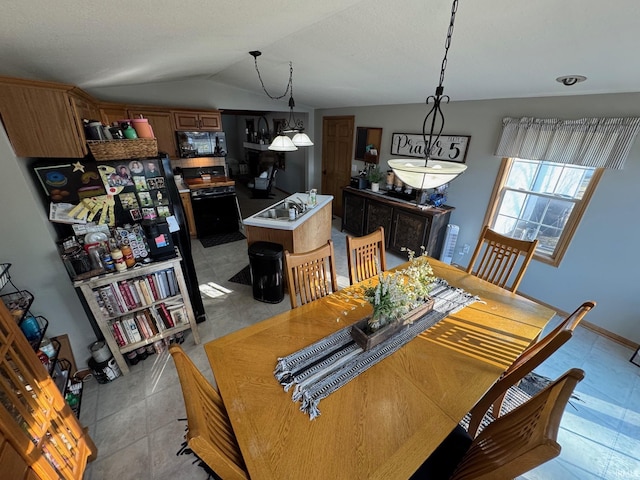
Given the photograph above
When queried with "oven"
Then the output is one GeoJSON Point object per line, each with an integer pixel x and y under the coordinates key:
{"type": "Point", "coordinates": [215, 210]}
{"type": "Point", "coordinates": [213, 200]}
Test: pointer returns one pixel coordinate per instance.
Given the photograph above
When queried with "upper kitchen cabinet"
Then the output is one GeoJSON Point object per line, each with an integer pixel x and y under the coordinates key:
{"type": "Point", "coordinates": [112, 112]}
{"type": "Point", "coordinates": [192, 120]}
{"type": "Point", "coordinates": [44, 119]}
{"type": "Point", "coordinates": [84, 105]}
{"type": "Point", "coordinates": [160, 121]}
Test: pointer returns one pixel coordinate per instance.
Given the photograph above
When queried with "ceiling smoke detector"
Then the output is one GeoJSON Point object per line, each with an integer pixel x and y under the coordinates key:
{"type": "Point", "coordinates": [570, 80]}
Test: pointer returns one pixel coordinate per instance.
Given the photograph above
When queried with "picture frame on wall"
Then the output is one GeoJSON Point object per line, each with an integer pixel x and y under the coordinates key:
{"type": "Point", "coordinates": [452, 148]}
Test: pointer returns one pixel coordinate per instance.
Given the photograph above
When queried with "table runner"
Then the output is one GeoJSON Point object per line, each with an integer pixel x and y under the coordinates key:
{"type": "Point", "coordinates": [323, 367]}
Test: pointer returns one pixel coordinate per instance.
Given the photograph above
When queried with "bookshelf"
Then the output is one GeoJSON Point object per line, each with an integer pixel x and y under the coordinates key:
{"type": "Point", "coordinates": [140, 306]}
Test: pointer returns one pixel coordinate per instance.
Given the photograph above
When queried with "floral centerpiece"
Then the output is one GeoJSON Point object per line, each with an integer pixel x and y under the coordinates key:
{"type": "Point", "coordinates": [398, 294]}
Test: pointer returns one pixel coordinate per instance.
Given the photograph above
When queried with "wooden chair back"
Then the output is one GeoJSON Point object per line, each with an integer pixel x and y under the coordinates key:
{"type": "Point", "coordinates": [310, 275]}
{"type": "Point", "coordinates": [504, 260]}
{"type": "Point", "coordinates": [530, 359]}
{"type": "Point", "coordinates": [366, 256]}
{"type": "Point", "coordinates": [523, 439]}
{"type": "Point", "coordinates": [210, 434]}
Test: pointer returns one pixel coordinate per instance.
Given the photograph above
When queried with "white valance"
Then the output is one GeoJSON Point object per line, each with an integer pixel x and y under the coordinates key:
{"type": "Point", "coordinates": [591, 142]}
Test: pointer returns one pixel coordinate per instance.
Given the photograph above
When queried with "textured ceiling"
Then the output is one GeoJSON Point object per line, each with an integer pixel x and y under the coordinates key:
{"type": "Point", "coordinates": [344, 52]}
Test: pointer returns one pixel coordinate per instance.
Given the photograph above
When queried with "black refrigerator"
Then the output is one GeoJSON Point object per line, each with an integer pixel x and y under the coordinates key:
{"type": "Point", "coordinates": [140, 192]}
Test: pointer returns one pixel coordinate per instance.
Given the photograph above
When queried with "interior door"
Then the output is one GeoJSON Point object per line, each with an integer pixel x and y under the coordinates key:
{"type": "Point", "coordinates": [337, 154]}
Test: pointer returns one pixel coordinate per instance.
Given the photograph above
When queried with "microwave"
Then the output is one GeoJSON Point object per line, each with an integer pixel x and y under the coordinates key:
{"type": "Point", "coordinates": [199, 144]}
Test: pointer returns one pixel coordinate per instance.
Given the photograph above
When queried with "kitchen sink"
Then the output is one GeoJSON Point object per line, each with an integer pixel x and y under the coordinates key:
{"type": "Point", "coordinates": [280, 211]}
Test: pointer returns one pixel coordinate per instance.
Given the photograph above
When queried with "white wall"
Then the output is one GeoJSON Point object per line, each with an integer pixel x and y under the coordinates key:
{"type": "Point", "coordinates": [27, 242]}
{"type": "Point", "coordinates": [602, 260]}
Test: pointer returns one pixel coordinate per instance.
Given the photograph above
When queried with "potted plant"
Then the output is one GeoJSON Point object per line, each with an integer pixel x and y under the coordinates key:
{"type": "Point", "coordinates": [375, 175]}
{"type": "Point", "coordinates": [399, 298]}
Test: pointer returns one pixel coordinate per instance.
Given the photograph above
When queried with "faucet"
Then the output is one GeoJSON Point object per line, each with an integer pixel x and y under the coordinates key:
{"type": "Point", "coordinates": [299, 207]}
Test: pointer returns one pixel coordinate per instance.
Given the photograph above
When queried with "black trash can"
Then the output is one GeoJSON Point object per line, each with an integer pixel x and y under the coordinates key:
{"type": "Point", "coordinates": [265, 259]}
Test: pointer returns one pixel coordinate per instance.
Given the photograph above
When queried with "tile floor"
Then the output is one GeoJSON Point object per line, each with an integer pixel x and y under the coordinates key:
{"type": "Point", "coordinates": [133, 420]}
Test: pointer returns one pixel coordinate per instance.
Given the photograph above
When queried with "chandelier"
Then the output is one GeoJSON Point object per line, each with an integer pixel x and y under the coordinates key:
{"type": "Point", "coordinates": [429, 173]}
{"type": "Point", "coordinates": [282, 142]}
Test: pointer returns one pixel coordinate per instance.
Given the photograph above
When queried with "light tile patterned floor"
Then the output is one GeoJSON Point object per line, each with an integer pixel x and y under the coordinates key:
{"type": "Point", "coordinates": [134, 419]}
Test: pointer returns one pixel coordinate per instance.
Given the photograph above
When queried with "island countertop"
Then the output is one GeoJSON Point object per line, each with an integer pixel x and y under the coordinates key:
{"type": "Point", "coordinates": [256, 221]}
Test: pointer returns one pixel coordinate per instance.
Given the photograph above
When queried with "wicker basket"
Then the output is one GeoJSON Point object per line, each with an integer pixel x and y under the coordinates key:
{"type": "Point", "coordinates": [123, 149]}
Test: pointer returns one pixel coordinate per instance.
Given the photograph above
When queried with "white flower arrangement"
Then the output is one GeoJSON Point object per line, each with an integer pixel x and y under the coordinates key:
{"type": "Point", "coordinates": [399, 292]}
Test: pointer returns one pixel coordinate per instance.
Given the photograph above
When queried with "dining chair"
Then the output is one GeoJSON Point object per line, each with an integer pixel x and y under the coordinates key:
{"type": "Point", "coordinates": [505, 395]}
{"type": "Point", "coordinates": [366, 255]}
{"type": "Point", "coordinates": [210, 435]}
{"type": "Point", "coordinates": [501, 258]}
{"type": "Point", "coordinates": [310, 275]}
{"type": "Point", "coordinates": [512, 445]}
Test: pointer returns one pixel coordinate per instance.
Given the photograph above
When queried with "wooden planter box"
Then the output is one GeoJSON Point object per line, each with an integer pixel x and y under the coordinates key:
{"type": "Point", "coordinates": [366, 341]}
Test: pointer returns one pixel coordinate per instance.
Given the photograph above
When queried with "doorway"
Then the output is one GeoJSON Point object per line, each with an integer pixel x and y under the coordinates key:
{"type": "Point", "coordinates": [337, 156]}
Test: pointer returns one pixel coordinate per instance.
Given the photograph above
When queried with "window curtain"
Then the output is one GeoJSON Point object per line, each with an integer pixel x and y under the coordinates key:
{"type": "Point", "coordinates": [590, 142]}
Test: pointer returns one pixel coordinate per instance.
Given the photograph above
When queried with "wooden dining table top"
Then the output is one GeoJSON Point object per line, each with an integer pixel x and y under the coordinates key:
{"type": "Point", "coordinates": [385, 422]}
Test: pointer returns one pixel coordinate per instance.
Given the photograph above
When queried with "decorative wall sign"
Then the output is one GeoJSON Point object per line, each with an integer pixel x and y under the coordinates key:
{"type": "Point", "coordinates": [452, 148]}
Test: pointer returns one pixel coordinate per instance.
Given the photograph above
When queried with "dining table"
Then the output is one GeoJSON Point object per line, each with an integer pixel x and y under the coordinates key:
{"type": "Point", "coordinates": [387, 420]}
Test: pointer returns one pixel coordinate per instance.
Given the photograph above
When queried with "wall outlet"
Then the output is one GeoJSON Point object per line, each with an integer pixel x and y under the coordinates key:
{"type": "Point", "coordinates": [354, 167]}
{"type": "Point", "coordinates": [465, 248]}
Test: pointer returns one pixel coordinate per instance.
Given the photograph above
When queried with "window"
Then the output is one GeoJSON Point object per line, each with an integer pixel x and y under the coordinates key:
{"type": "Point", "coordinates": [544, 200]}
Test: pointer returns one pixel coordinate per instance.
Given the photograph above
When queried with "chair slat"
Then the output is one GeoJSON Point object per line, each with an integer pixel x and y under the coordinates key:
{"type": "Point", "coordinates": [311, 275]}
{"type": "Point", "coordinates": [366, 255]}
{"type": "Point", "coordinates": [503, 260]}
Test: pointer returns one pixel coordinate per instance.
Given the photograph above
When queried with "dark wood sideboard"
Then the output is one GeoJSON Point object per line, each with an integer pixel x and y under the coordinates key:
{"type": "Point", "coordinates": [405, 224]}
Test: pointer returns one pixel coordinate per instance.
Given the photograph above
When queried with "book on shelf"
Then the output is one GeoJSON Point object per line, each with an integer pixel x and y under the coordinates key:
{"type": "Point", "coordinates": [146, 292]}
{"type": "Point", "coordinates": [134, 293]}
{"type": "Point", "coordinates": [125, 291]}
{"type": "Point", "coordinates": [117, 334]}
{"type": "Point", "coordinates": [164, 314]}
{"type": "Point", "coordinates": [140, 326]}
{"type": "Point", "coordinates": [132, 329]}
{"type": "Point", "coordinates": [136, 286]}
{"type": "Point", "coordinates": [171, 280]}
{"type": "Point", "coordinates": [151, 321]}
{"type": "Point", "coordinates": [119, 299]}
{"type": "Point", "coordinates": [153, 286]}
{"type": "Point", "coordinates": [162, 281]}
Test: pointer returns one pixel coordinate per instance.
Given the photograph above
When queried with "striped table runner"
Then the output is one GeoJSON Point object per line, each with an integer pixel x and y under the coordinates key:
{"type": "Point", "coordinates": [320, 369]}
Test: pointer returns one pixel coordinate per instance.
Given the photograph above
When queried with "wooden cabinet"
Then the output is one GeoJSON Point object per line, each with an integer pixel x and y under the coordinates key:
{"type": "Point", "coordinates": [162, 125]}
{"type": "Point", "coordinates": [191, 120]}
{"type": "Point", "coordinates": [379, 215]}
{"type": "Point", "coordinates": [85, 107]}
{"type": "Point", "coordinates": [112, 112]}
{"type": "Point", "coordinates": [188, 213]}
{"type": "Point", "coordinates": [42, 119]}
{"type": "Point", "coordinates": [406, 226]}
{"type": "Point", "coordinates": [152, 300]}
{"type": "Point", "coordinates": [353, 207]}
{"type": "Point", "coordinates": [40, 437]}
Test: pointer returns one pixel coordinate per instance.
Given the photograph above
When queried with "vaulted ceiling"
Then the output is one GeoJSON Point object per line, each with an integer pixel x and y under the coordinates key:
{"type": "Point", "coordinates": [344, 52]}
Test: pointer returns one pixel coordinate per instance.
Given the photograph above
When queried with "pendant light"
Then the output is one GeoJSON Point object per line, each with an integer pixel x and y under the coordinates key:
{"type": "Point", "coordinates": [282, 142]}
{"type": "Point", "coordinates": [429, 173]}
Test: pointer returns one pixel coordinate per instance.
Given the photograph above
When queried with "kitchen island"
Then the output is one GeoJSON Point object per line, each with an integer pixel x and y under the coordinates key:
{"type": "Point", "coordinates": [310, 229]}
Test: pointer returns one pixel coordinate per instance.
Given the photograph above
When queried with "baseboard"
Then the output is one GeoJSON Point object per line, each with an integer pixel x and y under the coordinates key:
{"type": "Point", "coordinates": [588, 325]}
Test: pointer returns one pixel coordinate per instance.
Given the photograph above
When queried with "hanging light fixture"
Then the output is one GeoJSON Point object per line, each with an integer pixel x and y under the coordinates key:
{"type": "Point", "coordinates": [282, 143]}
{"type": "Point", "coordinates": [429, 173]}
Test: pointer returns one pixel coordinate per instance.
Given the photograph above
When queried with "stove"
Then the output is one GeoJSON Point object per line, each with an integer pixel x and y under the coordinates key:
{"type": "Point", "coordinates": [213, 191]}
{"type": "Point", "coordinates": [214, 203]}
